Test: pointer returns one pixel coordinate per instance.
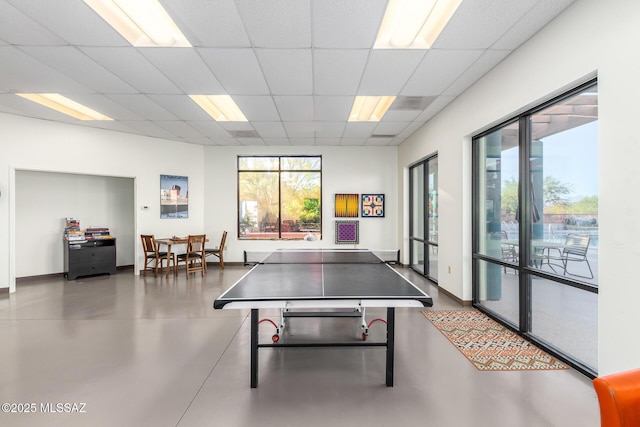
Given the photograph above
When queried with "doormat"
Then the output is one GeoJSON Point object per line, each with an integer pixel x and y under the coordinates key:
{"type": "Point", "coordinates": [489, 345]}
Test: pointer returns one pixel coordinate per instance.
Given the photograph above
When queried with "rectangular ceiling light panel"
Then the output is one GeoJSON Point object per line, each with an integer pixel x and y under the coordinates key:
{"type": "Point", "coordinates": [144, 23]}
{"type": "Point", "coordinates": [370, 108]}
{"type": "Point", "coordinates": [220, 107]}
{"type": "Point", "coordinates": [64, 105]}
{"type": "Point", "coordinates": [414, 24]}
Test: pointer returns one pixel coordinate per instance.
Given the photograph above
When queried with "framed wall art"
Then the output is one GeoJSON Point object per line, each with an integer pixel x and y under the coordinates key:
{"type": "Point", "coordinates": [347, 205]}
{"type": "Point", "coordinates": [347, 232]}
{"type": "Point", "coordinates": [373, 205]}
{"type": "Point", "coordinates": [174, 196]}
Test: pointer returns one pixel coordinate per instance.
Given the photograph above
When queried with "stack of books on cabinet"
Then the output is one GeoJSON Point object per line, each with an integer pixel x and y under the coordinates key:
{"type": "Point", "coordinates": [97, 233]}
{"type": "Point", "coordinates": [72, 232]}
{"type": "Point", "coordinates": [88, 252]}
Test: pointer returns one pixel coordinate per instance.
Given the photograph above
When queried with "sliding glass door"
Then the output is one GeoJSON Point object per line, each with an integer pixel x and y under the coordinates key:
{"type": "Point", "coordinates": [535, 229]}
{"type": "Point", "coordinates": [423, 220]}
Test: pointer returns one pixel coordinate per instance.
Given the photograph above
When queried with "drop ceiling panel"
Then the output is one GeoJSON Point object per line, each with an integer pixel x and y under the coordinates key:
{"type": "Point", "coordinates": [536, 18]}
{"type": "Point", "coordinates": [178, 128]}
{"type": "Point", "coordinates": [329, 129]}
{"type": "Point", "coordinates": [106, 106]}
{"type": "Point", "coordinates": [338, 72]}
{"type": "Point", "coordinates": [332, 108]}
{"type": "Point", "coordinates": [257, 108]}
{"type": "Point", "coordinates": [287, 71]}
{"type": "Point", "coordinates": [299, 129]}
{"type": "Point", "coordinates": [389, 128]}
{"type": "Point", "coordinates": [237, 70]}
{"type": "Point", "coordinates": [74, 64]}
{"type": "Point", "coordinates": [251, 141]}
{"type": "Point", "coordinates": [436, 106]}
{"type": "Point", "coordinates": [180, 106]}
{"type": "Point", "coordinates": [295, 108]}
{"type": "Point", "coordinates": [476, 25]}
{"type": "Point", "coordinates": [185, 68]}
{"type": "Point", "coordinates": [276, 141]}
{"type": "Point", "coordinates": [143, 106]}
{"type": "Point", "coordinates": [148, 128]}
{"type": "Point", "coordinates": [208, 23]}
{"type": "Point", "coordinates": [436, 72]}
{"type": "Point", "coordinates": [72, 21]}
{"type": "Point", "coordinates": [209, 128]}
{"type": "Point", "coordinates": [387, 71]}
{"type": "Point", "coordinates": [277, 23]}
{"type": "Point", "coordinates": [359, 129]}
{"type": "Point", "coordinates": [328, 141]}
{"type": "Point", "coordinates": [270, 129]}
{"type": "Point", "coordinates": [19, 29]}
{"type": "Point", "coordinates": [346, 24]}
{"type": "Point", "coordinates": [128, 64]}
{"type": "Point", "coordinates": [22, 73]}
{"type": "Point", "coordinates": [488, 60]}
{"type": "Point", "coordinates": [352, 141]}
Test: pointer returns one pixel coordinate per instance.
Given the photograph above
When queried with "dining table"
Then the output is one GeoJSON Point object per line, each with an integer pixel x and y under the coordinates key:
{"type": "Point", "coordinates": [170, 241]}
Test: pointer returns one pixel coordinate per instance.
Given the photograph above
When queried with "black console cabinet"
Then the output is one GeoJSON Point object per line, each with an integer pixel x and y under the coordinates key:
{"type": "Point", "coordinates": [92, 257]}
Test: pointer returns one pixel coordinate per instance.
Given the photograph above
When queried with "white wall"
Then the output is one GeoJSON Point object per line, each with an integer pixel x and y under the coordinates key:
{"type": "Point", "coordinates": [344, 170]}
{"type": "Point", "coordinates": [590, 37]}
{"type": "Point", "coordinates": [44, 200]}
{"type": "Point", "coordinates": [27, 144]}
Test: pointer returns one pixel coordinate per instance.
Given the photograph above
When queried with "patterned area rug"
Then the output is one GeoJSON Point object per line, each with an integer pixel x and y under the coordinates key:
{"type": "Point", "coordinates": [489, 345]}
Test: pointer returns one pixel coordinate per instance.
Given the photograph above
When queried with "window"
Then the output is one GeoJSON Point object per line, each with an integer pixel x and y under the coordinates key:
{"type": "Point", "coordinates": [424, 216]}
{"type": "Point", "coordinates": [536, 232]}
{"type": "Point", "coordinates": [279, 197]}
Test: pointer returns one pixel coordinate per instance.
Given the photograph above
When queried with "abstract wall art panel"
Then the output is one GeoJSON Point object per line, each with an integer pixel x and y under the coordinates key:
{"type": "Point", "coordinates": [347, 232]}
{"type": "Point", "coordinates": [373, 205]}
{"type": "Point", "coordinates": [347, 205]}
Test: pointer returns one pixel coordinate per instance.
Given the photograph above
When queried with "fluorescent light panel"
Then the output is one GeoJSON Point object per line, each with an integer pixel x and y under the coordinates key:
{"type": "Point", "coordinates": [414, 24]}
{"type": "Point", "coordinates": [143, 23]}
{"type": "Point", "coordinates": [220, 107]}
{"type": "Point", "coordinates": [64, 105]}
{"type": "Point", "coordinates": [370, 108]}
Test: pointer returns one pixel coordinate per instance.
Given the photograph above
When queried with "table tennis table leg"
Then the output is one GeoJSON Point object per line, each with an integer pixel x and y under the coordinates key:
{"type": "Point", "coordinates": [391, 314]}
{"type": "Point", "coordinates": [254, 347]}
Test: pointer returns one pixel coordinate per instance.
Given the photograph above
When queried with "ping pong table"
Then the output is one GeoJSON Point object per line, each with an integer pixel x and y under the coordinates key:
{"type": "Point", "coordinates": [297, 280]}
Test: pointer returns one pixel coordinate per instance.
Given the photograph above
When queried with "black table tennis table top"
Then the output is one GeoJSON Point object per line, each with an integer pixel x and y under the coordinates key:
{"type": "Point", "coordinates": [322, 277]}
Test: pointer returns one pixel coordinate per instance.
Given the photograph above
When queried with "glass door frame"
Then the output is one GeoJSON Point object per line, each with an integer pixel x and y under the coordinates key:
{"type": "Point", "coordinates": [428, 244]}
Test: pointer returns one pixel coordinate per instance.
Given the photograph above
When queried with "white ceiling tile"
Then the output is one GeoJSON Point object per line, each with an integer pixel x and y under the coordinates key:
{"type": "Point", "coordinates": [72, 21]}
{"type": "Point", "coordinates": [387, 71]}
{"type": "Point", "coordinates": [208, 23]}
{"type": "Point", "coordinates": [488, 60]}
{"type": "Point", "coordinates": [22, 73]}
{"type": "Point", "coordinates": [237, 70]}
{"type": "Point", "coordinates": [400, 115]}
{"type": "Point", "coordinates": [476, 25]}
{"type": "Point", "coordinates": [235, 126]}
{"type": "Point", "coordinates": [332, 108]}
{"type": "Point", "coordinates": [75, 64]}
{"type": "Point", "coordinates": [181, 106]}
{"type": "Point", "coordinates": [105, 105]}
{"type": "Point", "coordinates": [294, 108]}
{"type": "Point", "coordinates": [376, 141]}
{"type": "Point", "coordinates": [352, 141]}
{"type": "Point", "coordinates": [128, 64]}
{"type": "Point", "coordinates": [346, 24]}
{"type": "Point", "coordinates": [299, 129]}
{"type": "Point", "coordinates": [178, 128]}
{"type": "Point", "coordinates": [537, 17]}
{"type": "Point", "coordinates": [302, 141]}
{"type": "Point", "coordinates": [19, 29]}
{"type": "Point", "coordinates": [143, 106]}
{"type": "Point", "coordinates": [328, 141]}
{"type": "Point", "coordinates": [329, 129]}
{"type": "Point", "coordinates": [277, 23]}
{"type": "Point", "coordinates": [276, 141]}
{"type": "Point", "coordinates": [270, 129]}
{"type": "Point", "coordinates": [437, 105]}
{"type": "Point", "coordinates": [209, 128]}
{"type": "Point", "coordinates": [148, 128]}
{"type": "Point", "coordinates": [186, 69]}
{"type": "Point", "coordinates": [257, 108]}
{"type": "Point", "coordinates": [338, 72]}
{"type": "Point", "coordinates": [250, 141]}
{"type": "Point", "coordinates": [436, 72]}
{"type": "Point", "coordinates": [359, 129]}
{"type": "Point", "coordinates": [389, 128]}
{"type": "Point", "coordinates": [287, 71]}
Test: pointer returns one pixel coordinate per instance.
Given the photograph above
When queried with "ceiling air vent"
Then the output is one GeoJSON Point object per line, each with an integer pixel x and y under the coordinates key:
{"type": "Point", "coordinates": [411, 103]}
{"type": "Point", "coordinates": [244, 134]}
{"type": "Point", "coordinates": [383, 136]}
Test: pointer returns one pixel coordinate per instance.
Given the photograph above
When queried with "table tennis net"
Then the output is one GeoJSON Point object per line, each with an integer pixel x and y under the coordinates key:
{"type": "Point", "coordinates": [326, 256]}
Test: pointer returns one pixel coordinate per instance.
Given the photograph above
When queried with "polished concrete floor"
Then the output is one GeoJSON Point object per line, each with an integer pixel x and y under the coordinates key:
{"type": "Point", "coordinates": [134, 351]}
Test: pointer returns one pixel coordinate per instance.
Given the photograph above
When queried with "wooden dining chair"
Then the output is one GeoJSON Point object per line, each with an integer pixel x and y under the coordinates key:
{"type": "Point", "coordinates": [152, 257]}
{"type": "Point", "coordinates": [219, 251]}
{"type": "Point", "coordinates": [194, 257]}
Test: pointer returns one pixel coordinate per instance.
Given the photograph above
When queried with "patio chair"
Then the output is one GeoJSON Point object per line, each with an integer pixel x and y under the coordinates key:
{"type": "Point", "coordinates": [508, 251]}
{"type": "Point", "coordinates": [575, 249]}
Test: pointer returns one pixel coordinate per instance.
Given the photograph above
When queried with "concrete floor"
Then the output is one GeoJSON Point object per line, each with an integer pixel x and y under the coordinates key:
{"type": "Point", "coordinates": [152, 352]}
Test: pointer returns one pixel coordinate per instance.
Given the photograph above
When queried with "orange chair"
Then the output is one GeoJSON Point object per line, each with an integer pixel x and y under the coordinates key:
{"type": "Point", "coordinates": [619, 397]}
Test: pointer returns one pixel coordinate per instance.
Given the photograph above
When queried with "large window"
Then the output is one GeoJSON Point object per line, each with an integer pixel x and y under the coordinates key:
{"type": "Point", "coordinates": [536, 230]}
{"type": "Point", "coordinates": [279, 197]}
{"type": "Point", "coordinates": [424, 217]}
